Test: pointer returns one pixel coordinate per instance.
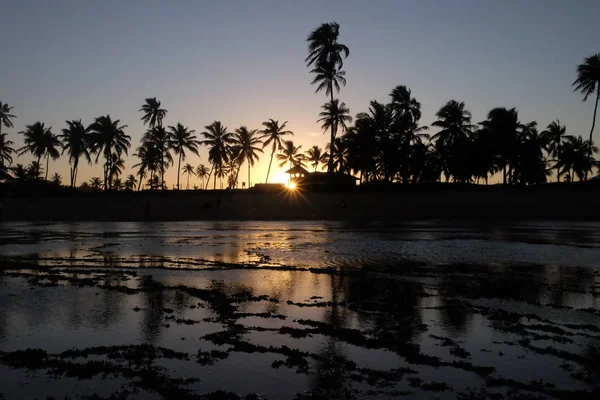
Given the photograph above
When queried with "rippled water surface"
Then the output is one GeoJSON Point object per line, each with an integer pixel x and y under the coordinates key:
{"type": "Point", "coordinates": [300, 309]}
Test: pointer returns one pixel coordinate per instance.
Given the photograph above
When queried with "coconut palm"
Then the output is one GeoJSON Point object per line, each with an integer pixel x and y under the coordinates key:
{"type": "Point", "coordinates": [96, 183]}
{"type": "Point", "coordinates": [35, 170]}
{"type": "Point", "coordinates": [218, 141]}
{"type": "Point", "coordinates": [161, 140]}
{"type": "Point", "coordinates": [76, 142]}
{"type": "Point", "coordinates": [502, 126]}
{"type": "Point", "coordinates": [406, 108]}
{"type": "Point", "coordinates": [314, 156]}
{"type": "Point", "coordinates": [334, 115]}
{"type": "Point", "coordinates": [118, 184]}
{"type": "Point", "coordinates": [150, 159]}
{"type": "Point", "coordinates": [189, 170]}
{"type": "Point", "coordinates": [40, 141]}
{"type": "Point", "coordinates": [323, 46]}
{"type": "Point", "coordinates": [153, 114]}
{"type": "Point", "coordinates": [5, 152]}
{"type": "Point", "coordinates": [588, 82]}
{"type": "Point", "coordinates": [247, 142]}
{"type": "Point", "coordinates": [6, 116]}
{"type": "Point", "coordinates": [182, 138]}
{"type": "Point", "coordinates": [108, 138]}
{"type": "Point", "coordinates": [290, 153]}
{"type": "Point", "coordinates": [202, 172]}
{"type": "Point", "coordinates": [555, 136]}
{"type": "Point", "coordinates": [117, 165]}
{"type": "Point", "coordinates": [575, 159]}
{"type": "Point", "coordinates": [130, 182]}
{"type": "Point", "coordinates": [56, 179]}
{"type": "Point", "coordinates": [20, 173]}
{"type": "Point", "coordinates": [272, 134]}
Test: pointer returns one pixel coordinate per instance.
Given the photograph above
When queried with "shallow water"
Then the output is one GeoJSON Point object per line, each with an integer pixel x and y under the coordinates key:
{"type": "Point", "coordinates": [425, 309]}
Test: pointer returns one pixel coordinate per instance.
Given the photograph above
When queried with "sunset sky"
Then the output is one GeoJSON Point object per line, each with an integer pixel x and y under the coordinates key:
{"type": "Point", "coordinates": [242, 62]}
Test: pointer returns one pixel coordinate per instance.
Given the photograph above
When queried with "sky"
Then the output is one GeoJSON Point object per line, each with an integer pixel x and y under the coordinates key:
{"type": "Point", "coordinates": [242, 62]}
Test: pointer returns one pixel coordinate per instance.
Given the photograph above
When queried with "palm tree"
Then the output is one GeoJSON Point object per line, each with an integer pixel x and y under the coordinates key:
{"type": "Point", "coordinates": [273, 133]}
{"type": "Point", "coordinates": [21, 173]}
{"type": "Point", "coordinates": [218, 141]}
{"type": "Point", "coordinates": [117, 165]}
{"type": "Point", "coordinates": [314, 156]}
{"type": "Point", "coordinates": [247, 142]}
{"type": "Point", "coordinates": [323, 46]}
{"type": "Point", "coordinates": [6, 116]}
{"type": "Point", "coordinates": [56, 179]}
{"type": "Point", "coordinates": [40, 141]}
{"type": "Point", "coordinates": [451, 141]}
{"type": "Point", "coordinates": [161, 140]}
{"type": "Point", "coordinates": [334, 115]}
{"type": "Point", "coordinates": [588, 81]}
{"type": "Point", "coordinates": [183, 138]}
{"type": "Point", "coordinates": [290, 153]}
{"type": "Point", "coordinates": [189, 170]}
{"type": "Point", "coordinates": [34, 170]}
{"type": "Point", "coordinates": [575, 158]}
{"type": "Point", "coordinates": [503, 126]}
{"type": "Point", "coordinates": [130, 182]}
{"type": "Point", "coordinates": [405, 107]}
{"type": "Point", "coordinates": [5, 152]}
{"type": "Point", "coordinates": [76, 142]}
{"type": "Point", "coordinates": [108, 138]}
{"type": "Point", "coordinates": [555, 136]}
{"type": "Point", "coordinates": [149, 161]}
{"type": "Point", "coordinates": [96, 183]}
{"type": "Point", "coordinates": [118, 184]}
{"type": "Point", "coordinates": [153, 114]}
{"type": "Point", "coordinates": [202, 172]}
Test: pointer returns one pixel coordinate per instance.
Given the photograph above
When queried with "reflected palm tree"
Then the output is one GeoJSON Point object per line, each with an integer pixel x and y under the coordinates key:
{"type": "Point", "coordinates": [588, 82]}
{"type": "Point", "coordinates": [273, 134]}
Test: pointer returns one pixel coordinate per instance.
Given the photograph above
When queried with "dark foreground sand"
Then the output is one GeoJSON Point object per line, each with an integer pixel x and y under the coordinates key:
{"type": "Point", "coordinates": [247, 205]}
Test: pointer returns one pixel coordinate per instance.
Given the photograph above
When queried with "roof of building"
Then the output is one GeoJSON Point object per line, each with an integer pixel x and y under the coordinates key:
{"type": "Point", "coordinates": [297, 169]}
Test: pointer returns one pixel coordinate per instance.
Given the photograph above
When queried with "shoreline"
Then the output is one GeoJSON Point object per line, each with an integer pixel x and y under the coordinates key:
{"type": "Point", "coordinates": [244, 205]}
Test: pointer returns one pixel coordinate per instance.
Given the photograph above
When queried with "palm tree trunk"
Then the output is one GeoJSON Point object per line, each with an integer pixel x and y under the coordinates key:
{"type": "Point", "coordinates": [215, 181]}
{"type": "Point", "coordinates": [47, 163]}
{"type": "Point", "coordinates": [592, 132]}
{"type": "Point", "coordinates": [208, 179]}
{"type": "Point", "coordinates": [179, 171]}
{"type": "Point", "coordinates": [248, 174]}
{"type": "Point", "coordinates": [187, 186]}
{"type": "Point", "coordinates": [332, 138]}
{"type": "Point", "coordinates": [269, 169]}
{"type": "Point", "coordinates": [162, 171]}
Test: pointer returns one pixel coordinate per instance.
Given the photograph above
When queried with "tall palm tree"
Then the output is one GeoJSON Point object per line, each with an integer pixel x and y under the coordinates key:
{"type": "Point", "coordinates": [6, 116]}
{"type": "Point", "coordinates": [588, 81]}
{"type": "Point", "coordinates": [189, 170]}
{"type": "Point", "coordinates": [108, 138]}
{"type": "Point", "coordinates": [161, 140]}
{"type": "Point", "coordinates": [273, 134]}
{"type": "Point", "coordinates": [40, 141]}
{"type": "Point", "coordinates": [314, 156]}
{"type": "Point", "coordinates": [323, 46]}
{"type": "Point", "coordinates": [153, 114]}
{"type": "Point", "coordinates": [202, 172]}
{"type": "Point", "coordinates": [290, 153]}
{"type": "Point", "coordinates": [555, 136]}
{"type": "Point", "coordinates": [218, 140]}
{"type": "Point", "coordinates": [247, 142]}
{"type": "Point", "coordinates": [130, 182]}
{"type": "Point", "coordinates": [183, 138]}
{"type": "Point", "coordinates": [76, 142]}
{"type": "Point", "coordinates": [334, 115]}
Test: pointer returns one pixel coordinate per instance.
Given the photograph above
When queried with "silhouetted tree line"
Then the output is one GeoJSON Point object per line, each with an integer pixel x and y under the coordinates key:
{"type": "Point", "coordinates": [385, 143]}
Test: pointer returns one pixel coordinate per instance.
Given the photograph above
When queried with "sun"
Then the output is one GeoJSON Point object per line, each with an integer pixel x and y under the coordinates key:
{"type": "Point", "coordinates": [291, 185]}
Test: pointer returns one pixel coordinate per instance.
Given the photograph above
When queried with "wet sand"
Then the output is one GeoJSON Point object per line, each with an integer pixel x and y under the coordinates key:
{"type": "Point", "coordinates": [300, 310]}
{"type": "Point", "coordinates": [482, 203]}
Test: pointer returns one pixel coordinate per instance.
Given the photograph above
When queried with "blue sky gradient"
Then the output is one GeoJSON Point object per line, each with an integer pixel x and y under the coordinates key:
{"type": "Point", "coordinates": [242, 62]}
